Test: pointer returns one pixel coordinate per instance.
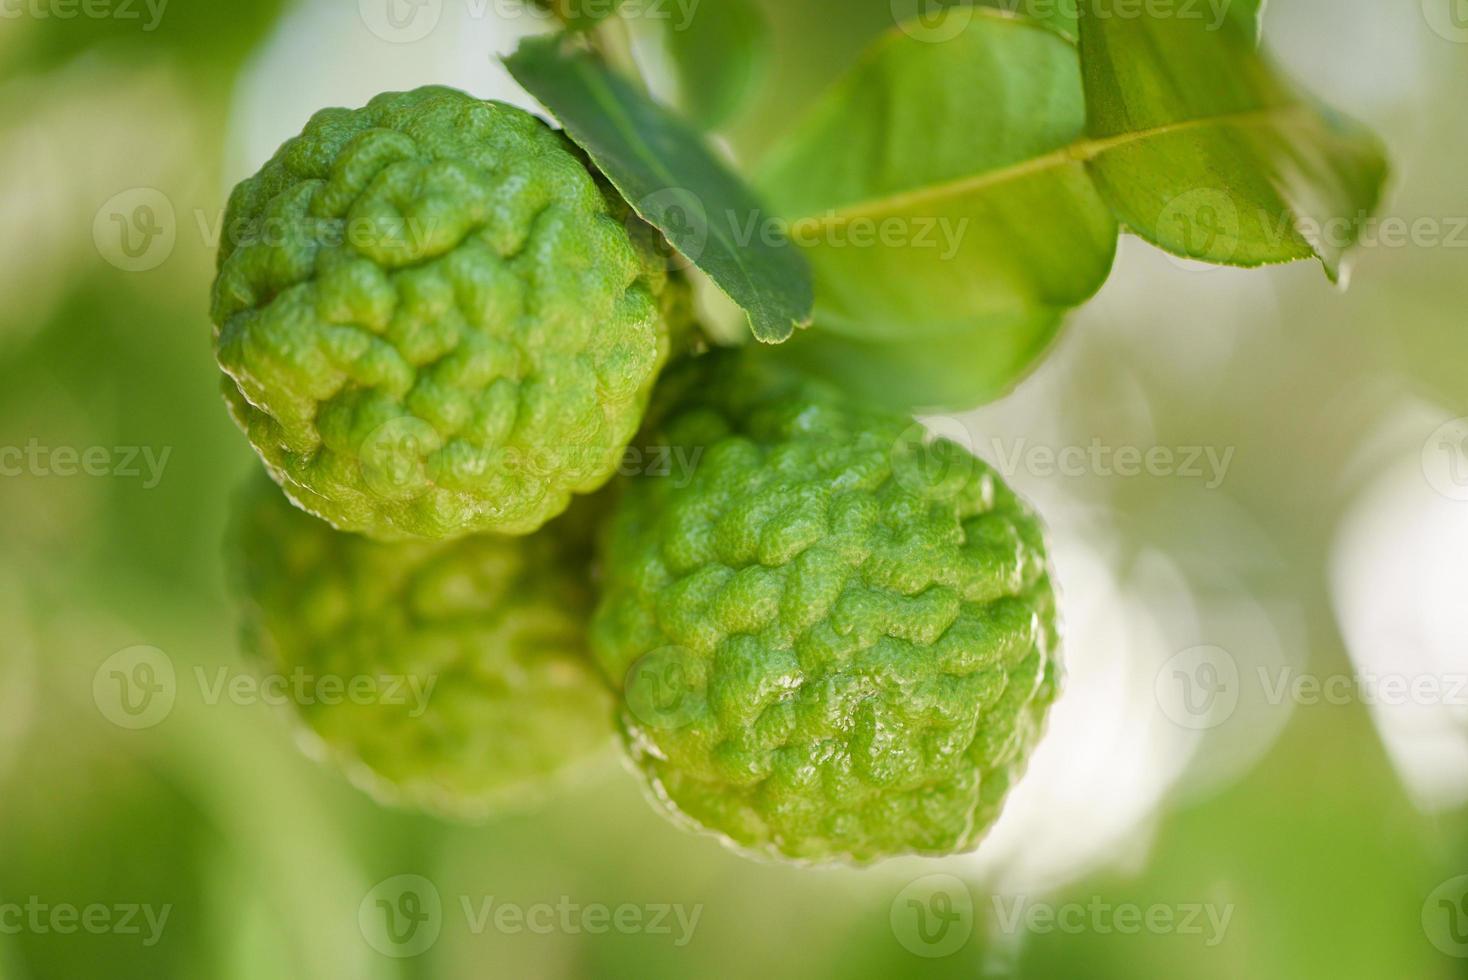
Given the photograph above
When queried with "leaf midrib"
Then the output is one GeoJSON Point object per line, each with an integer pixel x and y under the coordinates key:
{"type": "Point", "coordinates": [1081, 151]}
{"type": "Point", "coordinates": [602, 90]}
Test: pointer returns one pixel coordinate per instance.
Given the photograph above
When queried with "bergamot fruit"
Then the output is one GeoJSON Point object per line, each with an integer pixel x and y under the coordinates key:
{"type": "Point", "coordinates": [451, 676]}
{"type": "Point", "coordinates": [837, 640]}
{"type": "Point", "coordinates": [436, 319]}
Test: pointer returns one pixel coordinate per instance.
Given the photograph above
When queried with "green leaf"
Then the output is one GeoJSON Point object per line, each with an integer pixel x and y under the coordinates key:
{"type": "Point", "coordinates": [940, 373]}
{"type": "Point", "coordinates": [933, 188]}
{"type": "Point", "coordinates": [1061, 16]}
{"type": "Point", "coordinates": [1202, 148]}
{"type": "Point", "coordinates": [1058, 15]}
{"type": "Point", "coordinates": [717, 56]}
{"type": "Point", "coordinates": [674, 181]}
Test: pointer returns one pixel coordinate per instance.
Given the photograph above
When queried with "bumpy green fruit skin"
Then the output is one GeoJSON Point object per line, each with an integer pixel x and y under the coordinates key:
{"type": "Point", "coordinates": [479, 688]}
{"type": "Point", "coordinates": [836, 642]}
{"type": "Point", "coordinates": [434, 319]}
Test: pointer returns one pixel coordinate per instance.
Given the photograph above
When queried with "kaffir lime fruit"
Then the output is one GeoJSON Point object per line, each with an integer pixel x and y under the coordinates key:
{"type": "Point", "coordinates": [452, 676]}
{"type": "Point", "coordinates": [436, 319]}
{"type": "Point", "coordinates": [837, 640]}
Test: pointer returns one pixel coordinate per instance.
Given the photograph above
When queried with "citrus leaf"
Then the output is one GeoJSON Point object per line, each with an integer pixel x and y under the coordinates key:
{"type": "Point", "coordinates": [1058, 15]}
{"type": "Point", "coordinates": [941, 373]}
{"type": "Point", "coordinates": [1202, 148]}
{"type": "Point", "coordinates": [1061, 15]}
{"type": "Point", "coordinates": [673, 180]}
{"type": "Point", "coordinates": [717, 56]}
{"type": "Point", "coordinates": [934, 191]}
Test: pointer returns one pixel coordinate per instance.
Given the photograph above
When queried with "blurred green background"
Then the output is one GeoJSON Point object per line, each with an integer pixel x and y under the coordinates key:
{"type": "Point", "coordinates": [1282, 830]}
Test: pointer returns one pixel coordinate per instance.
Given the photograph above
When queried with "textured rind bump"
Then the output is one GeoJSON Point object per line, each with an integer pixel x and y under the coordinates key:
{"type": "Point", "coordinates": [435, 320]}
{"type": "Point", "coordinates": [835, 642]}
{"type": "Point", "coordinates": [480, 688]}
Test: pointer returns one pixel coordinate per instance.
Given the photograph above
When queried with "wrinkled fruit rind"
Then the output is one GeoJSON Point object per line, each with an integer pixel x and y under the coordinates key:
{"type": "Point", "coordinates": [434, 319]}
{"type": "Point", "coordinates": [838, 640]}
{"type": "Point", "coordinates": [474, 689]}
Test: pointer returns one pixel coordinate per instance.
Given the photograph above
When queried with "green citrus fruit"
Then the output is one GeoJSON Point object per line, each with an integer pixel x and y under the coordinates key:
{"type": "Point", "coordinates": [436, 319]}
{"type": "Point", "coordinates": [837, 639]}
{"type": "Point", "coordinates": [452, 676]}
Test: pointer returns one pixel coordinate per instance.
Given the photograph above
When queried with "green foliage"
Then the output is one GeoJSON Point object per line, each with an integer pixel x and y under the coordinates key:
{"type": "Point", "coordinates": [1202, 148]}
{"type": "Point", "coordinates": [963, 186]}
{"type": "Point", "coordinates": [1062, 16]}
{"type": "Point", "coordinates": [667, 173]}
{"type": "Point", "coordinates": [718, 57]}
{"type": "Point", "coordinates": [979, 228]}
{"type": "Point", "coordinates": [1026, 191]}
